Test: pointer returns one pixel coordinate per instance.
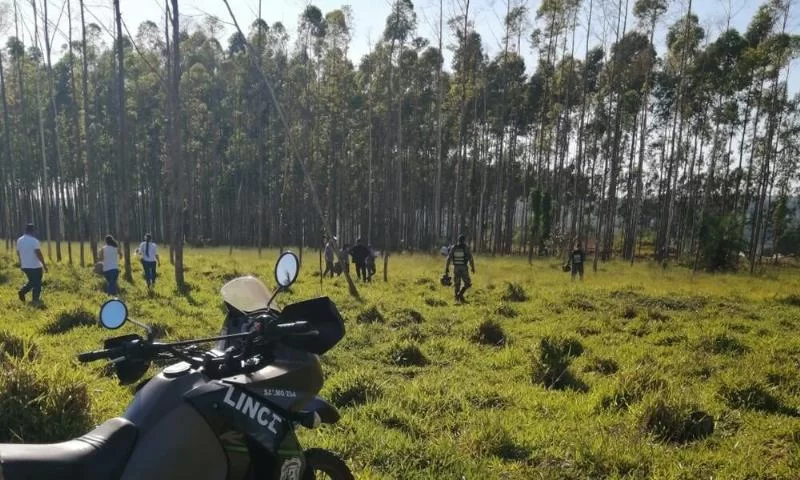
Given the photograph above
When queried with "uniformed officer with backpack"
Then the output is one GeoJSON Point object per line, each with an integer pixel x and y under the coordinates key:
{"type": "Point", "coordinates": [460, 257]}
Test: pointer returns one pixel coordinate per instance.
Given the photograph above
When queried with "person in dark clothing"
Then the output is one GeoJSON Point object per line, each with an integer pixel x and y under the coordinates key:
{"type": "Point", "coordinates": [371, 270]}
{"type": "Point", "coordinates": [330, 255]}
{"type": "Point", "coordinates": [576, 259]}
{"type": "Point", "coordinates": [359, 253]}
{"type": "Point", "coordinates": [460, 257]}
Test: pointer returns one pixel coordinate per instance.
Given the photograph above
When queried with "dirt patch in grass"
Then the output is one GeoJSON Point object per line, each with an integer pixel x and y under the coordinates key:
{"type": "Point", "coordinates": [370, 315]}
{"type": "Point", "coordinates": [674, 302]}
{"type": "Point", "coordinates": [669, 340]}
{"type": "Point", "coordinates": [506, 311]}
{"type": "Point", "coordinates": [491, 333]}
{"type": "Point", "coordinates": [601, 365]}
{"type": "Point", "coordinates": [407, 316]}
{"type": "Point", "coordinates": [629, 312]}
{"type": "Point", "coordinates": [66, 321]}
{"type": "Point", "coordinates": [588, 330]}
{"type": "Point", "coordinates": [435, 302]}
{"type": "Point", "coordinates": [353, 389]}
{"type": "Point", "coordinates": [486, 399]}
{"type": "Point", "coordinates": [407, 354]}
{"type": "Point", "coordinates": [580, 303]}
{"type": "Point", "coordinates": [754, 396]}
{"type": "Point", "coordinates": [675, 421]}
{"type": "Point", "coordinates": [424, 281]}
{"type": "Point", "coordinates": [514, 293]}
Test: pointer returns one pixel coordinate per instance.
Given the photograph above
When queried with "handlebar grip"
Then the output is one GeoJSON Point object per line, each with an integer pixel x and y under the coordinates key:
{"type": "Point", "coordinates": [300, 326]}
{"type": "Point", "coordinates": [92, 356]}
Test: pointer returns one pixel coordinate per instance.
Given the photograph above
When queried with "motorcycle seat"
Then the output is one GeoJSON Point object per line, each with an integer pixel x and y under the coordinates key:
{"type": "Point", "coordinates": [100, 454]}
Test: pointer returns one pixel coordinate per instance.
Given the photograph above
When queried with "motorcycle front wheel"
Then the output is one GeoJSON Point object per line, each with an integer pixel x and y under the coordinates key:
{"type": "Point", "coordinates": [322, 464]}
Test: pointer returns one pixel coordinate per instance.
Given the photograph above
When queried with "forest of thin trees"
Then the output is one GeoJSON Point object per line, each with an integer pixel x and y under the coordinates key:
{"type": "Point", "coordinates": [688, 151]}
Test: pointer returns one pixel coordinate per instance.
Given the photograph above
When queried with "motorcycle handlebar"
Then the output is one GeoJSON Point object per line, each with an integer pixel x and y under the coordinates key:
{"type": "Point", "coordinates": [86, 357]}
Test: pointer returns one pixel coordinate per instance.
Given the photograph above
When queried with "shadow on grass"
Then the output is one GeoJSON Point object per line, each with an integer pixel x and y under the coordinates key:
{"type": "Point", "coordinates": [68, 320]}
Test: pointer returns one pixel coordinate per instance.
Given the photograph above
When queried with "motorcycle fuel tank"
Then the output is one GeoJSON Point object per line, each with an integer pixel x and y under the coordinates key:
{"type": "Point", "coordinates": [289, 382]}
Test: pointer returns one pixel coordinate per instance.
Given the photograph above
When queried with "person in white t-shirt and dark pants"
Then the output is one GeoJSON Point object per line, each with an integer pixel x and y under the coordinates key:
{"type": "Point", "coordinates": [149, 253]}
{"type": "Point", "coordinates": [109, 254]}
{"type": "Point", "coordinates": [31, 261]}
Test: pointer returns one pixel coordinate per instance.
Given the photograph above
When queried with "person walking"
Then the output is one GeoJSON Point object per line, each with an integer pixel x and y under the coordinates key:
{"type": "Point", "coordinates": [460, 257]}
{"type": "Point", "coordinates": [109, 254]}
{"type": "Point", "coordinates": [344, 258]}
{"type": "Point", "coordinates": [359, 252]}
{"type": "Point", "coordinates": [371, 270]}
{"type": "Point", "coordinates": [330, 255]}
{"type": "Point", "coordinates": [148, 250]}
{"type": "Point", "coordinates": [31, 262]}
{"type": "Point", "coordinates": [576, 259]}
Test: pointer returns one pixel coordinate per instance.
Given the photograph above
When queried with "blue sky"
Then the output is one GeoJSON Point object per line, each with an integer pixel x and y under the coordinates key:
{"type": "Point", "coordinates": [369, 18]}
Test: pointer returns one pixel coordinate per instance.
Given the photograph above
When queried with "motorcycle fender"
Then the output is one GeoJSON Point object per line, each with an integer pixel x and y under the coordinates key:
{"type": "Point", "coordinates": [327, 412]}
{"type": "Point", "coordinates": [180, 446]}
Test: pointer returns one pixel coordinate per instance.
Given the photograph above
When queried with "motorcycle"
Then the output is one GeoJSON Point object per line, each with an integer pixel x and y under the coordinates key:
{"type": "Point", "coordinates": [229, 412]}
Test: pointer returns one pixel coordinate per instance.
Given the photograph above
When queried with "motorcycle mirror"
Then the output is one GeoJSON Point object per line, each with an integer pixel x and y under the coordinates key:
{"type": "Point", "coordinates": [113, 314]}
{"type": "Point", "coordinates": [286, 269]}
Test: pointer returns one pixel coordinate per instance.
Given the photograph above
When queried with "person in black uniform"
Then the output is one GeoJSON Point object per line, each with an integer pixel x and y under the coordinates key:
{"type": "Point", "coordinates": [576, 259]}
{"type": "Point", "coordinates": [359, 254]}
{"type": "Point", "coordinates": [460, 257]}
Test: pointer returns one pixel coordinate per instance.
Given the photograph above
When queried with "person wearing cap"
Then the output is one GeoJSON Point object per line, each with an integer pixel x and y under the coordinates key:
{"type": "Point", "coordinates": [460, 257]}
{"type": "Point", "coordinates": [359, 254]}
{"type": "Point", "coordinates": [31, 261]}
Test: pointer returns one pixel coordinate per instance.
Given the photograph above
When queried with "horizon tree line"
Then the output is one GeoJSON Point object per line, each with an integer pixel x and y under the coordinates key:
{"type": "Point", "coordinates": [690, 152]}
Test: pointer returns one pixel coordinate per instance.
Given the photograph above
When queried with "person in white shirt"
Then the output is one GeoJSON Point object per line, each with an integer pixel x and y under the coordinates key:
{"type": "Point", "coordinates": [109, 254]}
{"type": "Point", "coordinates": [149, 253]}
{"type": "Point", "coordinates": [31, 262]}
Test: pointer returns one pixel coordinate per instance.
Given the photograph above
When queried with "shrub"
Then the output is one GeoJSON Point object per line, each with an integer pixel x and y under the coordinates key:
{"type": "Point", "coordinates": [722, 344]}
{"type": "Point", "coordinates": [490, 333]}
{"type": "Point", "coordinates": [16, 347]}
{"type": "Point", "coordinates": [720, 242]}
{"type": "Point", "coordinates": [632, 386]}
{"type": "Point", "coordinates": [67, 320]}
{"type": "Point", "coordinates": [550, 364]}
{"type": "Point", "coordinates": [676, 421]}
{"type": "Point", "coordinates": [353, 389]}
{"type": "Point", "coordinates": [370, 315]}
{"type": "Point", "coordinates": [514, 293]}
{"type": "Point", "coordinates": [792, 300]}
{"type": "Point", "coordinates": [42, 406]}
{"type": "Point", "coordinates": [407, 354]}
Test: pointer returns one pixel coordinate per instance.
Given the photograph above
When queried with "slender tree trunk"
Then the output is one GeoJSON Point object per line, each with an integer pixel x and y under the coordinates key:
{"type": "Point", "coordinates": [437, 203]}
{"type": "Point", "coordinates": [45, 186]}
{"type": "Point", "coordinates": [56, 140]}
{"type": "Point", "coordinates": [124, 193]}
{"type": "Point", "coordinates": [90, 214]}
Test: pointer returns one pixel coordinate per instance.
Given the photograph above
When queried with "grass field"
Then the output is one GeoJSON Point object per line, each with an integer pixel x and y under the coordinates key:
{"type": "Point", "coordinates": [637, 372]}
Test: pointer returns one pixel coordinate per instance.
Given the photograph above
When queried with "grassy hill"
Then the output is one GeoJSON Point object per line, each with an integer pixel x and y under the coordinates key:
{"type": "Point", "coordinates": [637, 372]}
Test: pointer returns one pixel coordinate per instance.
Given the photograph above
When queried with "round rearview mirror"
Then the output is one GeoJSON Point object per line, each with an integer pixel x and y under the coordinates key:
{"type": "Point", "coordinates": [286, 269]}
{"type": "Point", "coordinates": [113, 314]}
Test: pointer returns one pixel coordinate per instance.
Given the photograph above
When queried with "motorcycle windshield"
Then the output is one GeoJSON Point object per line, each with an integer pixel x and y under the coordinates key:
{"type": "Point", "coordinates": [246, 294]}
